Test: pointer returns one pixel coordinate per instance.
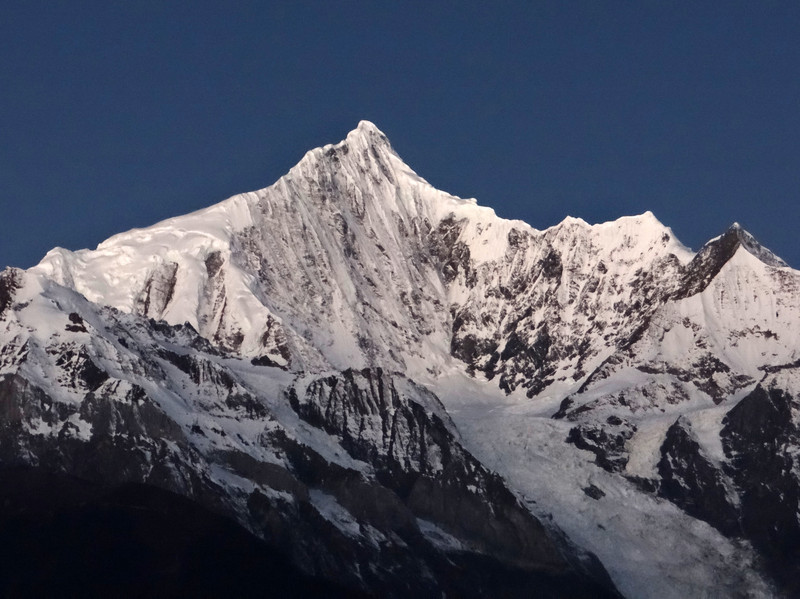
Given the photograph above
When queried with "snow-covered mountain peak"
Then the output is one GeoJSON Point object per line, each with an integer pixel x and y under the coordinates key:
{"type": "Point", "coordinates": [645, 221]}
{"type": "Point", "coordinates": [639, 237]}
{"type": "Point", "coordinates": [309, 292]}
{"type": "Point", "coordinates": [365, 140]}
{"type": "Point", "coordinates": [323, 268]}
{"type": "Point", "coordinates": [735, 239]}
{"type": "Point", "coordinates": [366, 164]}
{"type": "Point", "coordinates": [749, 243]}
{"type": "Point", "coordinates": [572, 221]}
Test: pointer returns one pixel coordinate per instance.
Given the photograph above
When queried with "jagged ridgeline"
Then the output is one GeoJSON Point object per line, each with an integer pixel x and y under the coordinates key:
{"type": "Point", "coordinates": [400, 392]}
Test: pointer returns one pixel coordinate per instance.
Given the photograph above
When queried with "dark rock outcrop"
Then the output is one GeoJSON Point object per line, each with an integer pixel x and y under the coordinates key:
{"type": "Point", "coordinates": [760, 438]}
{"type": "Point", "coordinates": [86, 539]}
{"type": "Point", "coordinates": [693, 483]}
{"type": "Point", "coordinates": [9, 283]}
{"type": "Point", "coordinates": [417, 455]}
{"type": "Point", "coordinates": [606, 442]}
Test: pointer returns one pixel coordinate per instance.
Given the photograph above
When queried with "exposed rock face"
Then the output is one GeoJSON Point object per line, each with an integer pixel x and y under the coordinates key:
{"type": "Point", "coordinates": [417, 454]}
{"type": "Point", "coordinates": [760, 438]}
{"type": "Point", "coordinates": [158, 291]}
{"type": "Point", "coordinates": [9, 282]}
{"type": "Point", "coordinates": [280, 357]}
{"type": "Point", "coordinates": [750, 490]}
{"type": "Point", "coordinates": [606, 441]}
{"type": "Point", "coordinates": [692, 482]}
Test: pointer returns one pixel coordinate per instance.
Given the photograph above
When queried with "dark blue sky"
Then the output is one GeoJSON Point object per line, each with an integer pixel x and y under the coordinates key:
{"type": "Point", "coordinates": [118, 114]}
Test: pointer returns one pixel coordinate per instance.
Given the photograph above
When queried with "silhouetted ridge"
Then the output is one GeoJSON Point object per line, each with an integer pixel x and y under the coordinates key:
{"type": "Point", "coordinates": [69, 537]}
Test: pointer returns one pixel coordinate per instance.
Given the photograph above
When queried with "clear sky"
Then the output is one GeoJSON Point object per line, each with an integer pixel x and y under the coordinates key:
{"type": "Point", "coordinates": [117, 114]}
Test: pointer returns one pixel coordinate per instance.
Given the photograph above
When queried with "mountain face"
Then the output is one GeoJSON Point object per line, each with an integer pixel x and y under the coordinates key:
{"type": "Point", "coordinates": [403, 393]}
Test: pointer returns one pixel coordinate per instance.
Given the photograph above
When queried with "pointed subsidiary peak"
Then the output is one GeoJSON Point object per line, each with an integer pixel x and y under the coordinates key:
{"type": "Point", "coordinates": [749, 243]}
{"type": "Point", "coordinates": [717, 252]}
{"type": "Point", "coordinates": [723, 248]}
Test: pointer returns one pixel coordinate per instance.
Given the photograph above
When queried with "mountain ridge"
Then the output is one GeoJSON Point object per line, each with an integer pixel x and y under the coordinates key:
{"type": "Point", "coordinates": [200, 235]}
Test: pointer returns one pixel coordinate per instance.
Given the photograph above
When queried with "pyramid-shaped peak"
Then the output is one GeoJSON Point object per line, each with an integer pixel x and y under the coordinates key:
{"type": "Point", "coordinates": [716, 253]}
{"type": "Point", "coordinates": [736, 237]}
{"type": "Point", "coordinates": [365, 142]}
{"type": "Point", "coordinates": [746, 240]}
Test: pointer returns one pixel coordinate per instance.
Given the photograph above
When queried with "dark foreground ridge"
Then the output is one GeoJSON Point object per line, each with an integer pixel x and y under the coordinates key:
{"type": "Point", "coordinates": [65, 536]}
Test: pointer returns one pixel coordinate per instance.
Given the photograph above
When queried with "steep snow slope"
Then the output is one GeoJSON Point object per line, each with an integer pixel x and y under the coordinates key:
{"type": "Point", "coordinates": [294, 271]}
